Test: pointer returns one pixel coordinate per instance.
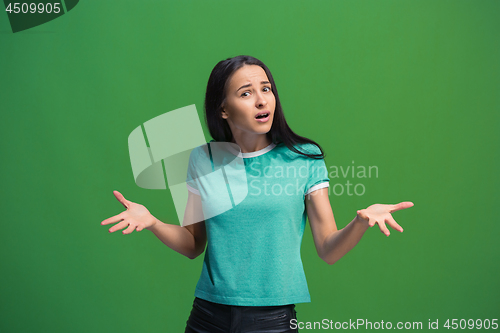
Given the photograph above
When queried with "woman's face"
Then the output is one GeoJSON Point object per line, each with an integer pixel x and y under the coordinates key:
{"type": "Point", "coordinates": [248, 96]}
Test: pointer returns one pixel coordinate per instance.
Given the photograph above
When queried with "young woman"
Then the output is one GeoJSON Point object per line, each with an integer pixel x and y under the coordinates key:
{"type": "Point", "coordinates": [252, 273]}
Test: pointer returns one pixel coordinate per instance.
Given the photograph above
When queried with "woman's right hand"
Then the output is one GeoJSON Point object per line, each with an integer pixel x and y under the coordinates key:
{"type": "Point", "coordinates": [136, 217]}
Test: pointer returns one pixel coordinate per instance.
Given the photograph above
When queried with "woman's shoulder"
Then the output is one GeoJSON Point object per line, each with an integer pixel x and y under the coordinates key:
{"type": "Point", "coordinates": [217, 148]}
{"type": "Point", "coordinates": [307, 148]}
{"type": "Point", "coordinates": [199, 152]}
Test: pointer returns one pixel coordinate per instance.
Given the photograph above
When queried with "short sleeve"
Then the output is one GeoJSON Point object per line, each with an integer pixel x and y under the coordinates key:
{"type": "Point", "coordinates": [317, 171]}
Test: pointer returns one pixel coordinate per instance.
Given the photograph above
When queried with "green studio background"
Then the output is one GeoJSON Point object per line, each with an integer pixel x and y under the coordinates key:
{"type": "Point", "coordinates": [410, 87]}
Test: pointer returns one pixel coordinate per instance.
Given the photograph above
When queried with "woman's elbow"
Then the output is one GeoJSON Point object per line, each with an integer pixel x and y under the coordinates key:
{"type": "Point", "coordinates": [196, 254]}
{"type": "Point", "coordinates": [329, 261]}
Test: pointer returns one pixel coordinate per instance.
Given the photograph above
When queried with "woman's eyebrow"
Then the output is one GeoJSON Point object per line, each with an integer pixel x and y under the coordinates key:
{"type": "Point", "coordinates": [249, 85]}
{"type": "Point", "coordinates": [245, 86]}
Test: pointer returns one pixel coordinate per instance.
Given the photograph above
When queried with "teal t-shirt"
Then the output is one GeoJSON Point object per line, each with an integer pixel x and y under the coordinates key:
{"type": "Point", "coordinates": [255, 223]}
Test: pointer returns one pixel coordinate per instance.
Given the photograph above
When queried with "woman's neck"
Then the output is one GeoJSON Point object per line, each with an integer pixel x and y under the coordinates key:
{"type": "Point", "coordinates": [249, 144]}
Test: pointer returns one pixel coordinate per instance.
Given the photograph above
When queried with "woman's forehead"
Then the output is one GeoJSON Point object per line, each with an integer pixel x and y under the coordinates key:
{"type": "Point", "coordinates": [247, 74]}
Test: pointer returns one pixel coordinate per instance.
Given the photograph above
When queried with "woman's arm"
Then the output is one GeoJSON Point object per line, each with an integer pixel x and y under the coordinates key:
{"type": "Point", "coordinates": [332, 244]}
{"type": "Point", "coordinates": [189, 241]}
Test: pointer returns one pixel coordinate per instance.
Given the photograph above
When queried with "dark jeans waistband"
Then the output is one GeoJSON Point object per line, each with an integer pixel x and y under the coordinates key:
{"type": "Point", "coordinates": [210, 317]}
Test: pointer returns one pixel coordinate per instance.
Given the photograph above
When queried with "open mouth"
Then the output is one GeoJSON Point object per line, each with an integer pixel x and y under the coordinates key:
{"type": "Point", "coordinates": [262, 115]}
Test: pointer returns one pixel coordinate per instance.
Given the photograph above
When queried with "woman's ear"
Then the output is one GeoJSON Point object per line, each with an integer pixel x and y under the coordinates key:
{"type": "Point", "coordinates": [223, 112]}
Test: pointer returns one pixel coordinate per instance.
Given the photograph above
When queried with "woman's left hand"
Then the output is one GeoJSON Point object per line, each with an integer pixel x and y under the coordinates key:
{"type": "Point", "coordinates": [381, 214]}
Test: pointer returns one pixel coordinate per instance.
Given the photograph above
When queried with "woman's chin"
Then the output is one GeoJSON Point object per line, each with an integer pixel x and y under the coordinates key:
{"type": "Point", "coordinates": [263, 128]}
{"type": "Point", "coordinates": [263, 131]}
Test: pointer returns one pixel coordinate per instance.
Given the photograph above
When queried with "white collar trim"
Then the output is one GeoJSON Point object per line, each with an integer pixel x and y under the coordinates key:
{"type": "Point", "coordinates": [253, 153]}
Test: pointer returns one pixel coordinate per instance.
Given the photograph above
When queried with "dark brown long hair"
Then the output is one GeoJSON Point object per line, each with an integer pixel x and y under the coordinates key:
{"type": "Point", "coordinates": [216, 94]}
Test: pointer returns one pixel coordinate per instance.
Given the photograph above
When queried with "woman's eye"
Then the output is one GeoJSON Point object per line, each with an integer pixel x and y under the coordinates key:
{"type": "Point", "coordinates": [267, 89]}
{"type": "Point", "coordinates": [246, 93]}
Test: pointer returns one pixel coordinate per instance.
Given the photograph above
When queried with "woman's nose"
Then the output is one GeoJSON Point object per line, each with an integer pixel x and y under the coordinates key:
{"type": "Point", "coordinates": [261, 101]}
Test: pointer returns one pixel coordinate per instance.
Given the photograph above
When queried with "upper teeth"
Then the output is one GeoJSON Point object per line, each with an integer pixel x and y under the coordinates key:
{"type": "Point", "coordinates": [262, 115]}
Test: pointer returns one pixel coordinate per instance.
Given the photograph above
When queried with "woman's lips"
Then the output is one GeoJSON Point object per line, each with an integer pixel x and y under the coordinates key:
{"type": "Point", "coordinates": [263, 120]}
